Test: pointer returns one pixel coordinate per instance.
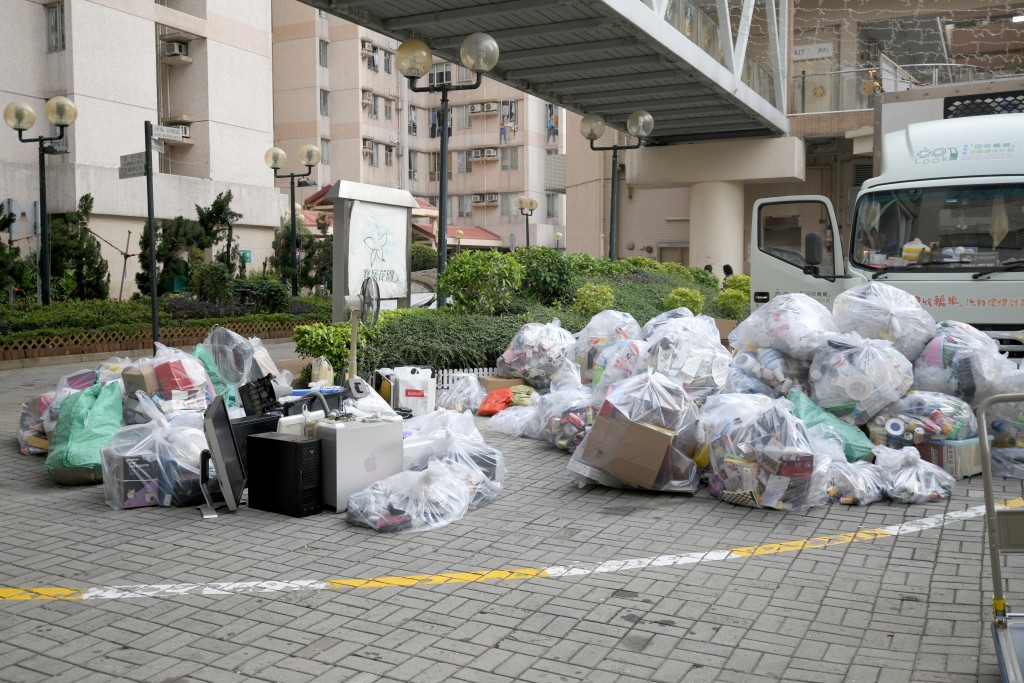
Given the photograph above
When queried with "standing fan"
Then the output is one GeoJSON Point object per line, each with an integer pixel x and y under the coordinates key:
{"type": "Point", "coordinates": [364, 308]}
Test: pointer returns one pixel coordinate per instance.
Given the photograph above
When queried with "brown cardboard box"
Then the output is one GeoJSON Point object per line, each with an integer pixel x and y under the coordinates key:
{"type": "Point", "coordinates": [632, 452]}
{"type": "Point", "coordinates": [490, 383]}
{"type": "Point", "coordinates": [142, 377]}
{"type": "Point", "coordinates": [724, 328]}
{"type": "Point", "coordinates": [960, 458]}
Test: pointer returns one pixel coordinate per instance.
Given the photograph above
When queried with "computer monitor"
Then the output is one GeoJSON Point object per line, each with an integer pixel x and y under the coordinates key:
{"type": "Point", "coordinates": [224, 453]}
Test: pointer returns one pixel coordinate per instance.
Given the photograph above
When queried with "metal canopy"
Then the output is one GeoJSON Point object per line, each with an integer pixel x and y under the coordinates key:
{"type": "Point", "coordinates": [609, 57]}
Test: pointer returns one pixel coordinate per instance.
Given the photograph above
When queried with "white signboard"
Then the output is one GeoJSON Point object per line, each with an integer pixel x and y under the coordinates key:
{"type": "Point", "coordinates": [815, 51]}
{"type": "Point", "coordinates": [378, 247]}
{"type": "Point", "coordinates": [167, 132]}
{"type": "Point", "coordinates": [132, 165]}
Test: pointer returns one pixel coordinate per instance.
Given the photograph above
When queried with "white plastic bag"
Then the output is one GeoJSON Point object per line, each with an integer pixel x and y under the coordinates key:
{"type": "Point", "coordinates": [908, 479]}
{"type": "Point", "coordinates": [417, 389]}
{"type": "Point", "coordinates": [793, 323]}
{"type": "Point", "coordinates": [856, 378]}
{"type": "Point", "coordinates": [537, 353]}
{"type": "Point", "coordinates": [876, 310]}
{"type": "Point", "coordinates": [412, 500]}
{"type": "Point", "coordinates": [464, 394]}
{"type": "Point", "coordinates": [605, 328]}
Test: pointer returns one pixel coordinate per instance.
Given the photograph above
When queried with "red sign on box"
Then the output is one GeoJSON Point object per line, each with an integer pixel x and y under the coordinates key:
{"type": "Point", "coordinates": [415, 393]}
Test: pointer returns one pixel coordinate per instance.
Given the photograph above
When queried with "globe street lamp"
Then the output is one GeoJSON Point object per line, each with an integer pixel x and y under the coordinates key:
{"type": "Point", "coordinates": [414, 59]}
{"type": "Point", "coordinates": [558, 240]}
{"type": "Point", "coordinates": [275, 157]}
{"type": "Point", "coordinates": [639, 124]}
{"type": "Point", "coordinates": [458, 241]}
{"type": "Point", "coordinates": [526, 206]}
{"type": "Point", "coordinates": [61, 112]}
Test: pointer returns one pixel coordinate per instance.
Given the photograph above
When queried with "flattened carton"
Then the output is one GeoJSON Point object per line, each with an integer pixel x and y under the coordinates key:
{"type": "Point", "coordinates": [632, 452]}
{"type": "Point", "coordinates": [960, 458]}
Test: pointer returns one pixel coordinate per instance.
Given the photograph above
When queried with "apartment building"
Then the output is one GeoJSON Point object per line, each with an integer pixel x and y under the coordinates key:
{"type": "Point", "coordinates": [336, 85]}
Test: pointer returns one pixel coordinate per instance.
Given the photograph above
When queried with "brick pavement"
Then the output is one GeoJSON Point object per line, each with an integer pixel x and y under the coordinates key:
{"type": "Point", "coordinates": [911, 607]}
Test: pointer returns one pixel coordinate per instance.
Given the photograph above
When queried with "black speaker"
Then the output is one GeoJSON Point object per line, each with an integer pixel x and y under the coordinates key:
{"type": "Point", "coordinates": [285, 474]}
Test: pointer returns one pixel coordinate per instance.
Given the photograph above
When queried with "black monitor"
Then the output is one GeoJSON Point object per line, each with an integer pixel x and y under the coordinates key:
{"type": "Point", "coordinates": [224, 453]}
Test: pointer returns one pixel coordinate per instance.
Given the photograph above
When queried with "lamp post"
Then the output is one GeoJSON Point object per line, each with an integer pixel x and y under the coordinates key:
{"type": "Point", "coordinates": [526, 206]}
{"type": "Point", "coordinates": [558, 240]}
{"type": "Point", "coordinates": [639, 124]}
{"type": "Point", "coordinates": [414, 59]}
{"type": "Point", "coordinates": [275, 158]}
{"type": "Point", "coordinates": [61, 112]}
{"type": "Point", "coordinates": [458, 241]}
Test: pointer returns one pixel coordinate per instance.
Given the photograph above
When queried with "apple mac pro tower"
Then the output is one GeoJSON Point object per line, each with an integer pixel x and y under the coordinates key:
{"type": "Point", "coordinates": [357, 454]}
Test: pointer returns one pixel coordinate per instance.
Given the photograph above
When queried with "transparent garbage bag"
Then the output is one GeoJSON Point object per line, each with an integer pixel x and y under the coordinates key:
{"type": "Point", "coordinates": [740, 382]}
{"type": "Point", "coordinates": [605, 328]}
{"type": "Point", "coordinates": [465, 393]}
{"type": "Point", "coordinates": [110, 370]}
{"type": "Point", "coordinates": [460, 424]}
{"type": "Point", "coordinates": [855, 483]}
{"type": "Point", "coordinates": [538, 353]}
{"type": "Point", "coordinates": [702, 325]}
{"type": "Point", "coordinates": [937, 416]}
{"type": "Point", "coordinates": [657, 402]}
{"type": "Point", "coordinates": [514, 420]}
{"type": "Point", "coordinates": [1006, 426]}
{"type": "Point", "coordinates": [774, 368]}
{"type": "Point", "coordinates": [32, 439]}
{"type": "Point", "coordinates": [182, 378]}
{"type": "Point", "coordinates": [876, 310]}
{"type": "Point", "coordinates": [657, 321]}
{"type": "Point", "coordinates": [760, 453]}
{"type": "Point", "coordinates": [262, 362]}
{"type": "Point", "coordinates": [701, 365]}
{"type": "Point", "coordinates": [565, 414]}
{"type": "Point", "coordinates": [962, 361]}
{"type": "Point", "coordinates": [412, 500]}
{"type": "Point", "coordinates": [856, 378]}
{"type": "Point", "coordinates": [481, 467]}
{"type": "Point", "coordinates": [909, 479]}
{"type": "Point", "coordinates": [793, 323]}
{"type": "Point", "coordinates": [616, 363]}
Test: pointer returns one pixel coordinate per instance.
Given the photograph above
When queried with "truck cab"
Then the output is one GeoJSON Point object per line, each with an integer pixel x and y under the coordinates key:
{"type": "Point", "coordinates": [944, 221]}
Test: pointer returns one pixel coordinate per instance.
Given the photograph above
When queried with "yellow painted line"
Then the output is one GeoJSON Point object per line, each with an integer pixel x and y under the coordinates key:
{"type": "Point", "coordinates": [512, 574]}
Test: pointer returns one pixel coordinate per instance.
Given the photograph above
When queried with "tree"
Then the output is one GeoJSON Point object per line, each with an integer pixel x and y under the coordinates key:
{"type": "Point", "coordinates": [323, 255]}
{"type": "Point", "coordinates": [282, 258]}
{"type": "Point", "coordinates": [217, 221]}
{"type": "Point", "coordinates": [175, 237]}
{"type": "Point", "coordinates": [76, 262]}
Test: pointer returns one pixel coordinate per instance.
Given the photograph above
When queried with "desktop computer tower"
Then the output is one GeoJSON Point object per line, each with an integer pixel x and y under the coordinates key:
{"type": "Point", "coordinates": [243, 427]}
{"type": "Point", "coordinates": [285, 474]}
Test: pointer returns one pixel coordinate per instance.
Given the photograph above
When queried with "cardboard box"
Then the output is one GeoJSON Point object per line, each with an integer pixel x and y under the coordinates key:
{"type": "Point", "coordinates": [140, 481]}
{"type": "Point", "coordinates": [725, 326]}
{"type": "Point", "coordinates": [632, 452]}
{"type": "Point", "coordinates": [960, 458]}
{"type": "Point", "coordinates": [490, 383]}
{"type": "Point", "coordinates": [141, 378]}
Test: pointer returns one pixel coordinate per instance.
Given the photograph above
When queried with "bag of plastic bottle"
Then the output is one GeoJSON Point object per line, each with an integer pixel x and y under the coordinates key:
{"type": "Point", "coordinates": [856, 378]}
{"type": "Point", "coordinates": [537, 353]}
{"type": "Point", "coordinates": [909, 479]}
{"type": "Point", "coordinates": [962, 361]}
{"type": "Point", "coordinates": [876, 310]}
{"type": "Point", "coordinates": [793, 323]}
{"type": "Point", "coordinates": [605, 328]}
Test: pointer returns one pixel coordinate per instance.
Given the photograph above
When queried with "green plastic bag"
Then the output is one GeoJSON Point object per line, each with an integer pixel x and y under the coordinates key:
{"type": "Point", "coordinates": [228, 391]}
{"type": "Point", "coordinates": [87, 422]}
{"type": "Point", "coordinates": [856, 444]}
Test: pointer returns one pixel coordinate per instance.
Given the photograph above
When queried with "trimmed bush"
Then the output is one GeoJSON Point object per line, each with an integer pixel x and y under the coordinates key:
{"type": "Point", "coordinates": [704, 278]}
{"type": "Point", "coordinates": [480, 281]}
{"type": "Point", "coordinates": [690, 298]}
{"type": "Point", "coordinates": [593, 298]}
{"type": "Point", "coordinates": [547, 275]}
{"type": "Point", "coordinates": [424, 257]}
{"type": "Point", "coordinates": [266, 294]}
{"type": "Point", "coordinates": [211, 282]}
{"type": "Point", "coordinates": [328, 340]}
{"type": "Point", "coordinates": [734, 303]}
{"type": "Point", "coordinates": [737, 282]}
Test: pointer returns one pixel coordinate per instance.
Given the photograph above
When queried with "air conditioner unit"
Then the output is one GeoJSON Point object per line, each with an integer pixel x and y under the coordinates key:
{"type": "Point", "coordinates": [478, 199]}
{"type": "Point", "coordinates": [490, 106]}
{"type": "Point", "coordinates": [368, 145]}
{"type": "Point", "coordinates": [477, 153]}
{"type": "Point", "coordinates": [475, 108]}
{"type": "Point", "coordinates": [367, 48]}
{"type": "Point", "coordinates": [175, 49]}
{"type": "Point", "coordinates": [491, 152]}
{"type": "Point", "coordinates": [185, 130]}
{"type": "Point", "coordinates": [492, 198]}
{"type": "Point", "coordinates": [367, 98]}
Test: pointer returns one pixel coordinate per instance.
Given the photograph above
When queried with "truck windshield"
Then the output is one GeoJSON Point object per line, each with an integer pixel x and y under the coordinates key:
{"type": "Point", "coordinates": [958, 227]}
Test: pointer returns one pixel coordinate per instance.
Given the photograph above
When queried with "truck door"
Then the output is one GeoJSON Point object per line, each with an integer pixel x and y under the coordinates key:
{"type": "Point", "coordinates": [795, 247]}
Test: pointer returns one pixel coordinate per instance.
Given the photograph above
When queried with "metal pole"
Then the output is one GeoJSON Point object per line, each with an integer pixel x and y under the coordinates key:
{"type": "Point", "coordinates": [44, 230]}
{"type": "Point", "coordinates": [151, 221]}
{"type": "Point", "coordinates": [528, 228]}
{"type": "Point", "coordinates": [124, 270]}
{"type": "Point", "coordinates": [295, 248]}
{"type": "Point", "coordinates": [442, 217]}
{"type": "Point", "coordinates": [613, 220]}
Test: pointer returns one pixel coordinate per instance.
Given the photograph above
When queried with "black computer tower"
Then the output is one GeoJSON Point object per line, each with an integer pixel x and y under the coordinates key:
{"type": "Point", "coordinates": [285, 474]}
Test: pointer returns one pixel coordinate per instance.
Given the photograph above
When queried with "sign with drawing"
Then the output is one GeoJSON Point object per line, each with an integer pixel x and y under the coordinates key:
{"type": "Point", "coordinates": [378, 247]}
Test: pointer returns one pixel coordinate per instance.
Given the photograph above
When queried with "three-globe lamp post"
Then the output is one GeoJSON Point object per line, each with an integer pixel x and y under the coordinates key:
{"type": "Point", "coordinates": [275, 157]}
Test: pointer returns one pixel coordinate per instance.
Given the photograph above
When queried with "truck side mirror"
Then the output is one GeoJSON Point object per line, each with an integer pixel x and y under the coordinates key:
{"type": "Point", "coordinates": [812, 249]}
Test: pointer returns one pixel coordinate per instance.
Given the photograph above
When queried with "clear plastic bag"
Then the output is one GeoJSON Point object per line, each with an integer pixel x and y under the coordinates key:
{"type": "Point", "coordinates": [538, 353]}
{"type": "Point", "coordinates": [702, 325]}
{"type": "Point", "coordinates": [262, 362]}
{"type": "Point", "coordinates": [908, 479]}
{"type": "Point", "coordinates": [481, 467]}
{"type": "Point", "coordinates": [464, 394]}
{"type": "Point", "coordinates": [938, 416]}
{"type": "Point", "coordinates": [616, 363]}
{"type": "Point", "coordinates": [774, 368]}
{"type": "Point", "coordinates": [962, 361]}
{"type": "Point", "coordinates": [184, 384]}
{"type": "Point", "coordinates": [565, 415]}
{"type": "Point", "coordinates": [110, 370]}
{"type": "Point", "coordinates": [856, 378]}
{"type": "Point", "coordinates": [410, 501]}
{"type": "Point", "coordinates": [855, 483]}
{"type": "Point", "coordinates": [514, 420]}
{"type": "Point", "coordinates": [657, 321]}
{"type": "Point", "coordinates": [793, 323]}
{"type": "Point", "coordinates": [605, 328]}
{"type": "Point", "coordinates": [702, 366]}
{"type": "Point", "coordinates": [460, 424]}
{"type": "Point", "coordinates": [761, 454]}
{"type": "Point", "coordinates": [876, 310]}
{"type": "Point", "coordinates": [32, 439]}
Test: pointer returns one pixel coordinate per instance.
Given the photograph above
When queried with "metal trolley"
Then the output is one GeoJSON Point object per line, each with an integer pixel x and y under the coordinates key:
{"type": "Point", "coordinates": [1005, 535]}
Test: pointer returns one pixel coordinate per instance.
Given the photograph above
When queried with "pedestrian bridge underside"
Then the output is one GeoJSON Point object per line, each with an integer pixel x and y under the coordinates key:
{"type": "Point", "coordinates": [705, 69]}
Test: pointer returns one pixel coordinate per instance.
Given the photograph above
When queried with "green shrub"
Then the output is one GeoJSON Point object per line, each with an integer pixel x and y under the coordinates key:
{"type": "Point", "coordinates": [328, 340]}
{"type": "Point", "coordinates": [424, 257]}
{"type": "Point", "coordinates": [678, 269]}
{"type": "Point", "coordinates": [593, 298]}
{"type": "Point", "coordinates": [690, 298]}
{"type": "Point", "coordinates": [479, 281]}
{"type": "Point", "coordinates": [734, 303]}
{"type": "Point", "coordinates": [642, 263]}
{"type": "Point", "coordinates": [738, 282]}
{"type": "Point", "coordinates": [264, 293]}
{"type": "Point", "coordinates": [211, 282]}
{"type": "Point", "coordinates": [547, 275]}
{"type": "Point", "coordinates": [704, 277]}
{"type": "Point", "coordinates": [580, 263]}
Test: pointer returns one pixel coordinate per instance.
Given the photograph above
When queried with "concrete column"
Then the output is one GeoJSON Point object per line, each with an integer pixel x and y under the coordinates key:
{"type": "Point", "coordinates": [716, 225]}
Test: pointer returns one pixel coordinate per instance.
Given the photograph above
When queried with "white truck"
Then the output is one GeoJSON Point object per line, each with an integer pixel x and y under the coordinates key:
{"type": "Point", "coordinates": [944, 221]}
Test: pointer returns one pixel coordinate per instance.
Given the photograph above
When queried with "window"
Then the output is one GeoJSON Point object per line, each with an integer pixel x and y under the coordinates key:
{"type": "Point", "coordinates": [323, 52]}
{"type": "Point", "coordinates": [465, 75]}
{"type": "Point", "coordinates": [414, 158]}
{"type": "Point", "coordinates": [465, 162]}
{"type": "Point", "coordinates": [435, 124]}
{"type": "Point", "coordinates": [388, 153]}
{"type": "Point", "coordinates": [55, 27]}
{"type": "Point", "coordinates": [374, 150]}
{"type": "Point", "coordinates": [387, 109]}
{"type": "Point", "coordinates": [508, 121]}
{"type": "Point", "coordinates": [413, 113]}
{"type": "Point", "coordinates": [388, 57]}
{"type": "Point", "coordinates": [464, 119]}
{"type": "Point", "coordinates": [373, 58]}
{"type": "Point", "coordinates": [465, 206]}
{"type": "Point", "coordinates": [434, 164]}
{"type": "Point", "coordinates": [551, 125]}
{"type": "Point", "coordinates": [552, 205]}
{"type": "Point", "coordinates": [325, 151]}
{"type": "Point", "coordinates": [509, 158]}
{"type": "Point", "coordinates": [324, 103]}
{"type": "Point", "coordinates": [374, 104]}
{"type": "Point", "coordinates": [440, 74]}
{"type": "Point", "coordinates": [507, 204]}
